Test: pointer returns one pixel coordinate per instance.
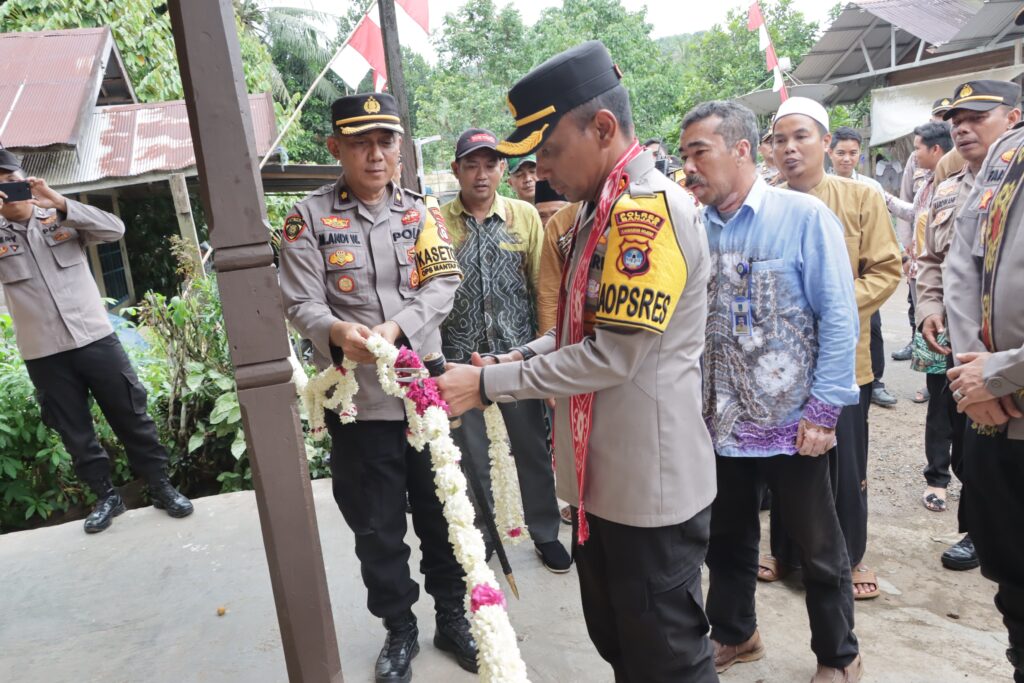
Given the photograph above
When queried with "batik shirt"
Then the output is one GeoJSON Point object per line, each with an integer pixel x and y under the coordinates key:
{"type": "Point", "coordinates": [784, 252]}
{"type": "Point", "coordinates": [495, 306]}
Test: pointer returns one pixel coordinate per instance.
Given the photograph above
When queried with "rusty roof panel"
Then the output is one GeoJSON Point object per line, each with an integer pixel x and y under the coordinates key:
{"type": "Point", "coordinates": [128, 141]}
{"type": "Point", "coordinates": [50, 81]}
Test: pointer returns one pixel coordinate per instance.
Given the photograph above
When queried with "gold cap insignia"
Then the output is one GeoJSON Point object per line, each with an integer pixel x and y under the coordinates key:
{"type": "Point", "coordinates": [945, 102]}
{"type": "Point", "coordinates": [965, 91]}
{"type": "Point", "coordinates": [371, 106]}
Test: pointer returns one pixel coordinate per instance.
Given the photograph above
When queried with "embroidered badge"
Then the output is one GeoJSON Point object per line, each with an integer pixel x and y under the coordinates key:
{"type": "Point", "coordinates": [414, 278]}
{"type": "Point", "coordinates": [947, 188]}
{"type": "Point", "coordinates": [442, 229]}
{"type": "Point", "coordinates": [1007, 156]}
{"type": "Point", "coordinates": [985, 199]}
{"type": "Point", "coordinates": [341, 257]}
{"type": "Point", "coordinates": [344, 195]}
{"type": "Point", "coordinates": [49, 220]}
{"type": "Point", "coordinates": [346, 284]}
{"type": "Point", "coordinates": [61, 236]}
{"type": "Point", "coordinates": [371, 106]}
{"type": "Point", "coordinates": [3, 250]}
{"type": "Point", "coordinates": [335, 222]}
{"type": "Point", "coordinates": [410, 256]}
{"type": "Point", "coordinates": [634, 258]}
{"type": "Point", "coordinates": [411, 216]}
{"type": "Point", "coordinates": [293, 227]}
{"type": "Point", "coordinates": [965, 91]}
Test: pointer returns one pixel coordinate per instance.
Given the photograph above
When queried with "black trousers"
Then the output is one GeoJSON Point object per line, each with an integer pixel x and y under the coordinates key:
{"type": "Point", "coordinates": [848, 465]}
{"type": "Point", "coordinates": [802, 489]}
{"type": "Point", "coordinates": [943, 432]}
{"type": "Point", "coordinates": [994, 466]}
{"type": "Point", "coordinates": [373, 465]}
{"type": "Point", "coordinates": [528, 439]}
{"type": "Point", "coordinates": [912, 306]}
{"type": "Point", "coordinates": [64, 383]}
{"type": "Point", "coordinates": [877, 349]}
{"type": "Point", "coordinates": [642, 599]}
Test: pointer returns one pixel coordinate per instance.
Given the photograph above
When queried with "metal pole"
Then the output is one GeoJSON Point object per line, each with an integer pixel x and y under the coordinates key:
{"type": "Point", "coordinates": [396, 85]}
{"type": "Point", "coordinates": [220, 120]}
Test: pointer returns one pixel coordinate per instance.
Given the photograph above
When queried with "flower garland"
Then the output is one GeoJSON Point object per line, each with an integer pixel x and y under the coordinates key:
{"type": "Point", "coordinates": [508, 500]}
{"type": "Point", "coordinates": [498, 654]}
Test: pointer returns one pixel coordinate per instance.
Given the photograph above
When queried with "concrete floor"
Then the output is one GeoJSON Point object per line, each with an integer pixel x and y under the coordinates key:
{"type": "Point", "coordinates": [139, 601]}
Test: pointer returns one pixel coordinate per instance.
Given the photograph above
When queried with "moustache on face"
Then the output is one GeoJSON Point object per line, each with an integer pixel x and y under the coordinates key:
{"type": "Point", "coordinates": [695, 179]}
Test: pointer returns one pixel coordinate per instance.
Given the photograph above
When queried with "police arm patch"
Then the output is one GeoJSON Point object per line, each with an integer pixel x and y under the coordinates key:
{"type": "Point", "coordinates": [435, 255]}
{"type": "Point", "coordinates": [293, 227]}
{"type": "Point", "coordinates": [644, 270]}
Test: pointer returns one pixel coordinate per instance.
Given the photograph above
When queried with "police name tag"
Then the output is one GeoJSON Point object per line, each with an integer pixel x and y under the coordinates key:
{"type": "Point", "coordinates": [740, 313]}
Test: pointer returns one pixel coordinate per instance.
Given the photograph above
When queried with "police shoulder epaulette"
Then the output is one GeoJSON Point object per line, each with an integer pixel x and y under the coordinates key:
{"type": "Point", "coordinates": [323, 189]}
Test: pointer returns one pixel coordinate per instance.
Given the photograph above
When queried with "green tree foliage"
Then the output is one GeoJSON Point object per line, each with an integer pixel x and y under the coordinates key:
{"type": "Point", "coordinates": [726, 61]}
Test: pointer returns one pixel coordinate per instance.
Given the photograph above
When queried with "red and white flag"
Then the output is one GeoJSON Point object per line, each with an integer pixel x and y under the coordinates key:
{"type": "Point", "coordinates": [364, 49]}
{"type": "Point", "coordinates": [755, 22]}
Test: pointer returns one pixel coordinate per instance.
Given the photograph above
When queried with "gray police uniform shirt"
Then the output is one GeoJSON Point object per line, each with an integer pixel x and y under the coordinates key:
{"type": "Point", "coordinates": [947, 204]}
{"type": "Point", "coordinates": [342, 260]}
{"type": "Point", "coordinates": [50, 291]}
{"type": "Point", "coordinates": [650, 459]}
{"type": "Point", "coordinates": [1004, 370]}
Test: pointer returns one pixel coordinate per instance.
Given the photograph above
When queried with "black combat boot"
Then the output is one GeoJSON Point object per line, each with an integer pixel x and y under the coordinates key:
{"type": "Point", "coordinates": [166, 497]}
{"type": "Point", "coordinates": [453, 635]}
{"type": "Point", "coordinates": [107, 507]}
{"type": "Point", "coordinates": [394, 664]}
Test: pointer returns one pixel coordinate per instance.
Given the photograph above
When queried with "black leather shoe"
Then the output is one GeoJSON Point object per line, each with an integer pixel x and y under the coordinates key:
{"type": "Point", "coordinates": [554, 556]}
{"type": "Point", "coordinates": [906, 353]}
{"type": "Point", "coordinates": [107, 507]}
{"type": "Point", "coordinates": [166, 497]}
{"type": "Point", "coordinates": [453, 635]}
{"type": "Point", "coordinates": [394, 664]}
{"type": "Point", "coordinates": [961, 556]}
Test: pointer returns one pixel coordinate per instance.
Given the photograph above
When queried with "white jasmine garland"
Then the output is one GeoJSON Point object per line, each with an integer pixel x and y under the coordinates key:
{"type": "Point", "coordinates": [498, 655]}
{"type": "Point", "coordinates": [508, 500]}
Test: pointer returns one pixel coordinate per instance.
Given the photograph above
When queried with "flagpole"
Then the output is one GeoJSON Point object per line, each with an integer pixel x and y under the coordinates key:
{"type": "Point", "coordinates": [316, 81]}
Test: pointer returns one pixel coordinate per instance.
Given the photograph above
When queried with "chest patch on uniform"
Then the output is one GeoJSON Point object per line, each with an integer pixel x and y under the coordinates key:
{"type": "Point", "coordinates": [328, 238]}
{"type": "Point", "coordinates": [4, 249]}
{"type": "Point", "coordinates": [986, 198]}
{"type": "Point", "coordinates": [293, 227]}
{"type": "Point", "coordinates": [49, 220]}
{"type": "Point", "coordinates": [341, 258]}
{"type": "Point", "coordinates": [641, 285]}
{"type": "Point", "coordinates": [947, 188]}
{"type": "Point", "coordinates": [61, 236]}
{"type": "Point", "coordinates": [942, 216]}
{"type": "Point", "coordinates": [346, 284]}
{"type": "Point", "coordinates": [410, 256]}
{"type": "Point", "coordinates": [335, 222]}
{"type": "Point", "coordinates": [411, 216]}
{"type": "Point", "coordinates": [1007, 156]}
{"type": "Point", "coordinates": [434, 254]}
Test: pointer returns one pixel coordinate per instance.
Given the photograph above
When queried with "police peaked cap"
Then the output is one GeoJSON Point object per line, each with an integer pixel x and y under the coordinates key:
{"type": "Point", "coordinates": [357, 114]}
{"type": "Point", "coordinates": [983, 95]}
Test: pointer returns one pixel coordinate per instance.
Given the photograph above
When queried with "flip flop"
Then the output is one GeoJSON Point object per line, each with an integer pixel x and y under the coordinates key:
{"type": "Point", "coordinates": [770, 570]}
{"type": "Point", "coordinates": [863, 575]}
{"type": "Point", "coordinates": [566, 515]}
{"type": "Point", "coordinates": [921, 396]}
{"type": "Point", "coordinates": [934, 503]}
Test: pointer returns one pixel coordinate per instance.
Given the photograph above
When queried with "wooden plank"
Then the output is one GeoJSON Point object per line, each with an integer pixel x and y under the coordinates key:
{"type": "Point", "coordinates": [186, 222]}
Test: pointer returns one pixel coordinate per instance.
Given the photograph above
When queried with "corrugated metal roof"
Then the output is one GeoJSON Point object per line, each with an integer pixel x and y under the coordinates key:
{"type": "Point", "coordinates": [49, 82]}
{"type": "Point", "coordinates": [947, 27]}
{"type": "Point", "coordinates": [936, 21]}
{"type": "Point", "coordinates": [127, 141]}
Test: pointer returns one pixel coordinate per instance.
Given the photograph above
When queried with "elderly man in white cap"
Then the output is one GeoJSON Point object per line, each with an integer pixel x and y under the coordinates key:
{"type": "Point", "coordinates": [800, 136]}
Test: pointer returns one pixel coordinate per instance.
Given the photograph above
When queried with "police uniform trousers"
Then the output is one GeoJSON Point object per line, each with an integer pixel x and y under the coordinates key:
{"type": "Point", "coordinates": [642, 602]}
{"type": "Point", "coordinates": [373, 466]}
{"type": "Point", "coordinates": [64, 382]}
{"type": "Point", "coordinates": [848, 467]}
{"type": "Point", "coordinates": [994, 467]}
{"type": "Point", "coordinates": [801, 489]}
{"type": "Point", "coordinates": [528, 439]}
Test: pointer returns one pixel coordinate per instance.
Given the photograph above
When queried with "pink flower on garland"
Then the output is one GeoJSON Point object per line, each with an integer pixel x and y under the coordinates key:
{"type": "Point", "coordinates": [515, 533]}
{"type": "Point", "coordinates": [424, 394]}
{"type": "Point", "coordinates": [407, 358]}
{"type": "Point", "coordinates": [484, 594]}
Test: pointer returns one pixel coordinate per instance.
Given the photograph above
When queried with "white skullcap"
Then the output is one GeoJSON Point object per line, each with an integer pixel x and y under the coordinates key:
{"type": "Point", "coordinates": [805, 106]}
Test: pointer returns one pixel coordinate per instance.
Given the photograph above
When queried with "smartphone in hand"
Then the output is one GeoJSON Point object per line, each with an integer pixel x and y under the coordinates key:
{"type": "Point", "coordinates": [18, 191]}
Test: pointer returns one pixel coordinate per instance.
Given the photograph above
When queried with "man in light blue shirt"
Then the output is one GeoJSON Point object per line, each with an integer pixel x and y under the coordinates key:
{"type": "Point", "coordinates": [778, 368]}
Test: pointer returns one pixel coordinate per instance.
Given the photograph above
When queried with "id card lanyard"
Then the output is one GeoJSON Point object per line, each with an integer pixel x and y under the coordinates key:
{"type": "Point", "coordinates": [739, 310]}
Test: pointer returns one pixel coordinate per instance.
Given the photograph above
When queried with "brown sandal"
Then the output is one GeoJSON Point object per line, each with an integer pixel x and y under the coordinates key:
{"type": "Point", "coordinates": [770, 569]}
{"type": "Point", "coordinates": [864, 576]}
